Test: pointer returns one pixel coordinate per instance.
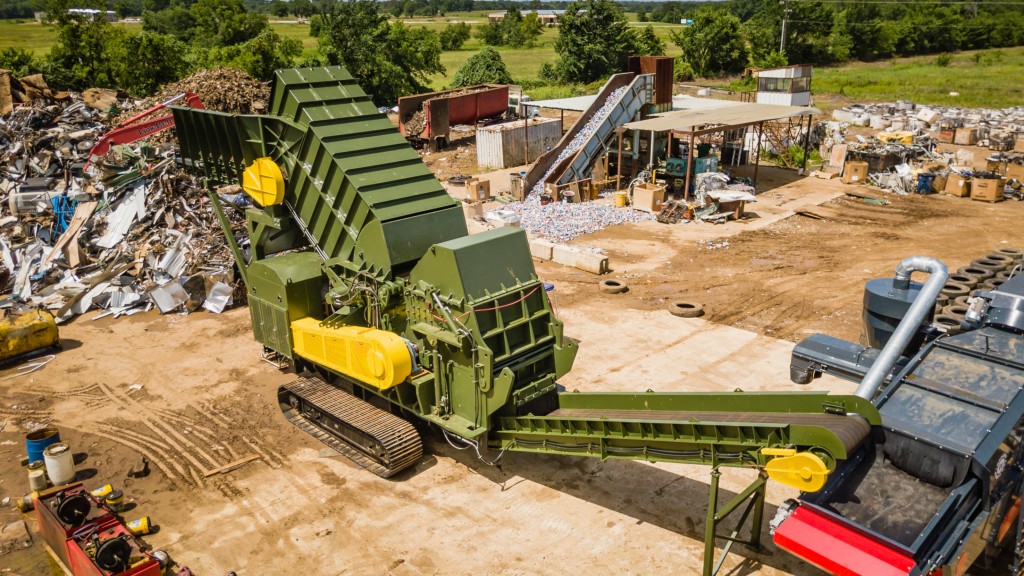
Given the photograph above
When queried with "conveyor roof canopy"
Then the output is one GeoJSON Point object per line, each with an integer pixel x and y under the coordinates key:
{"type": "Point", "coordinates": [723, 117]}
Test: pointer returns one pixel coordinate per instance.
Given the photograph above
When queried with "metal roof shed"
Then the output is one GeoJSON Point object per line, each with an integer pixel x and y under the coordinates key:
{"type": "Point", "coordinates": [723, 118]}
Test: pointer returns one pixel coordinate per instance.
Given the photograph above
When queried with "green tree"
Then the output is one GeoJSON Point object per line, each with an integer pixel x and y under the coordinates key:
{"type": "Point", "coordinates": [79, 58]}
{"type": "Point", "coordinates": [19, 61]}
{"type": "Point", "coordinates": [177, 21]}
{"type": "Point", "coordinates": [259, 57]}
{"type": "Point", "coordinates": [92, 52]}
{"type": "Point", "coordinates": [648, 43]}
{"type": "Point", "coordinates": [142, 63]}
{"type": "Point", "coordinates": [594, 40]}
{"type": "Point", "coordinates": [279, 9]}
{"type": "Point", "coordinates": [491, 33]}
{"type": "Point", "coordinates": [641, 14]}
{"type": "Point", "coordinates": [484, 67]}
{"type": "Point", "coordinates": [225, 22]}
{"type": "Point", "coordinates": [530, 28]}
{"type": "Point", "coordinates": [302, 8]}
{"type": "Point", "coordinates": [454, 36]}
{"type": "Point", "coordinates": [389, 58]}
{"type": "Point", "coordinates": [714, 44]}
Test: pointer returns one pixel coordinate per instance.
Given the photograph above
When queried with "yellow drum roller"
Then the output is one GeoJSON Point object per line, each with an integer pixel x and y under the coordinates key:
{"type": "Point", "coordinates": [24, 332]}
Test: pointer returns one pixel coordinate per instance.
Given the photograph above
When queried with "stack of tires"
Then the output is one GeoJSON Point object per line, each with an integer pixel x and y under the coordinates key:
{"type": "Point", "coordinates": [985, 273]}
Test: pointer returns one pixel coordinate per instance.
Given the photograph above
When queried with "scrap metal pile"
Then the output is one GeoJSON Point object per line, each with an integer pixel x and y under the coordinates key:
{"type": "Point", "coordinates": [984, 125]}
{"type": "Point", "coordinates": [563, 221]}
{"type": "Point", "coordinates": [130, 234]}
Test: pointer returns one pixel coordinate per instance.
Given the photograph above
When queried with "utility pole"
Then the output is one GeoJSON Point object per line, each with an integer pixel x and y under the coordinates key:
{"type": "Point", "coordinates": [785, 16]}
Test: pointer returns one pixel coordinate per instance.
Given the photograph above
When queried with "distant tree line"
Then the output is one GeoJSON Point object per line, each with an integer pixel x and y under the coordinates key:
{"type": "Point", "coordinates": [392, 59]}
{"type": "Point", "coordinates": [725, 38]}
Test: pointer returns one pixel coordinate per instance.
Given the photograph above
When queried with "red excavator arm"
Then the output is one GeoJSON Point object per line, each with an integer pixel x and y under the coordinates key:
{"type": "Point", "coordinates": [132, 129]}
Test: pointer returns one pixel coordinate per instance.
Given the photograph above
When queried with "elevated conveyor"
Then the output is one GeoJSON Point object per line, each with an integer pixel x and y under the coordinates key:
{"type": "Point", "coordinates": [554, 165]}
{"type": "Point", "coordinates": [731, 429]}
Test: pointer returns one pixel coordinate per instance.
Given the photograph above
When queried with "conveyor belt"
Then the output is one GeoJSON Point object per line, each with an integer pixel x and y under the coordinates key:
{"type": "Point", "coordinates": [851, 430]}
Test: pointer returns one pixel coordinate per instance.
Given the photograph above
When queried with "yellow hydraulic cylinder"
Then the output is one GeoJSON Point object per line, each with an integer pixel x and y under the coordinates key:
{"type": "Point", "coordinates": [264, 182]}
{"type": "Point", "coordinates": [802, 470]}
{"type": "Point", "coordinates": [26, 332]}
{"type": "Point", "coordinates": [376, 357]}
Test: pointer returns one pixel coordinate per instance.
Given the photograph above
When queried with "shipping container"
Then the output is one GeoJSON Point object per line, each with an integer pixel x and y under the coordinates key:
{"type": "Point", "coordinates": [505, 145]}
{"type": "Point", "coordinates": [442, 110]}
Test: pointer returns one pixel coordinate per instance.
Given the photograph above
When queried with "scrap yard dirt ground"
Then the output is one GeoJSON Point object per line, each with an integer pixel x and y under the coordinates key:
{"type": "Point", "coordinates": [191, 394]}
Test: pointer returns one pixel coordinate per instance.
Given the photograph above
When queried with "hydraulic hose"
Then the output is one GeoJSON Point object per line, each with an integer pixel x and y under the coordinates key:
{"type": "Point", "coordinates": [907, 328]}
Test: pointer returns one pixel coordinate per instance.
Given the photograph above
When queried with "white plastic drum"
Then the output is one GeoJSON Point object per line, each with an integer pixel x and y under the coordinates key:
{"type": "Point", "coordinates": [60, 465]}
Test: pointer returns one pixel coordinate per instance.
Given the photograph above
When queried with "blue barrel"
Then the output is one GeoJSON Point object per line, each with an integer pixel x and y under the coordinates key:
{"type": "Point", "coordinates": [37, 441]}
{"type": "Point", "coordinates": [924, 183]}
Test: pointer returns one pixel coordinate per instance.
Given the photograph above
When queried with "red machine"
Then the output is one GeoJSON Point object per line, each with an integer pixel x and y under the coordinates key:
{"type": "Point", "coordinates": [443, 109]}
{"type": "Point", "coordinates": [132, 129]}
{"type": "Point", "coordinates": [86, 538]}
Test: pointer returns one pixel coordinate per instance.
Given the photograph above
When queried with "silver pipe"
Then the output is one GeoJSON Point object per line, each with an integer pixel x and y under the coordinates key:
{"type": "Point", "coordinates": [908, 326]}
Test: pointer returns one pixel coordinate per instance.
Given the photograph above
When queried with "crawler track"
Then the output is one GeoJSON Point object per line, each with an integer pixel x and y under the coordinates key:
{"type": "Point", "coordinates": [372, 438]}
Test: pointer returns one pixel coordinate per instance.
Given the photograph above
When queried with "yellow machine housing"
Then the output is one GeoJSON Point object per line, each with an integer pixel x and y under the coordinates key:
{"type": "Point", "coordinates": [376, 357]}
{"type": "Point", "coordinates": [27, 332]}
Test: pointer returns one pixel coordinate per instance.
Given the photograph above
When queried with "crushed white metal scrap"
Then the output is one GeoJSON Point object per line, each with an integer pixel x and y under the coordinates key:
{"type": "Point", "coordinates": [563, 221]}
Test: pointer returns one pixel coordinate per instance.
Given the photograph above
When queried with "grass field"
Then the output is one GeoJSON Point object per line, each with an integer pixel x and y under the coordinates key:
{"type": "Point", "coordinates": [993, 78]}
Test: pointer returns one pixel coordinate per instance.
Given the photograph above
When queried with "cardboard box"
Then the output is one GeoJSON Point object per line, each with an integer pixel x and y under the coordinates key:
{"type": "Point", "coordinates": [957, 185]}
{"type": "Point", "coordinates": [987, 190]}
{"type": "Point", "coordinates": [996, 165]}
{"type": "Point", "coordinates": [966, 136]}
{"type": "Point", "coordinates": [649, 197]}
{"type": "Point", "coordinates": [1014, 172]}
{"type": "Point", "coordinates": [1019, 146]}
{"type": "Point", "coordinates": [855, 172]}
{"type": "Point", "coordinates": [939, 183]}
{"type": "Point", "coordinates": [946, 135]}
{"type": "Point", "coordinates": [478, 190]}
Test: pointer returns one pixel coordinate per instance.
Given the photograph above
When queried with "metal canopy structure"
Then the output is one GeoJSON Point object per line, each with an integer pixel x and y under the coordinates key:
{"type": "Point", "coordinates": [711, 116]}
{"type": "Point", "coordinates": [575, 104]}
{"type": "Point", "coordinates": [725, 117]}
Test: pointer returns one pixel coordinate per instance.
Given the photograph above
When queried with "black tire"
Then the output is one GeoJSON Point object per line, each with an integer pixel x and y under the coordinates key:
{"type": "Point", "coordinates": [950, 323]}
{"type": "Point", "coordinates": [955, 310]}
{"type": "Point", "coordinates": [969, 281]}
{"type": "Point", "coordinates": [1007, 261]}
{"type": "Point", "coordinates": [612, 286]}
{"type": "Point", "coordinates": [685, 309]}
{"type": "Point", "coordinates": [994, 266]}
{"type": "Point", "coordinates": [1004, 276]}
{"type": "Point", "coordinates": [981, 274]}
{"type": "Point", "coordinates": [1015, 254]}
{"type": "Point", "coordinates": [960, 301]}
{"type": "Point", "coordinates": [991, 284]}
{"type": "Point", "coordinates": [951, 290]}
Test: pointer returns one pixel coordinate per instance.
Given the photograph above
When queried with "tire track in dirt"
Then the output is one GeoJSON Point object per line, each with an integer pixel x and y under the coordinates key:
{"type": "Point", "coordinates": [271, 457]}
{"type": "Point", "coordinates": [136, 440]}
{"type": "Point", "coordinates": [166, 432]}
{"type": "Point", "coordinates": [151, 456]}
{"type": "Point", "coordinates": [168, 429]}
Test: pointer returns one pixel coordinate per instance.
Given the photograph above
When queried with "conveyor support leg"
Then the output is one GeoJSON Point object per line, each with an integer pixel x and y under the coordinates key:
{"type": "Point", "coordinates": [753, 496]}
